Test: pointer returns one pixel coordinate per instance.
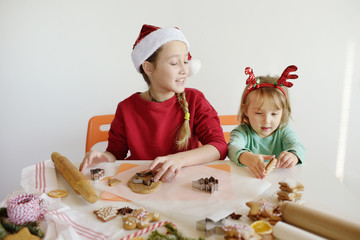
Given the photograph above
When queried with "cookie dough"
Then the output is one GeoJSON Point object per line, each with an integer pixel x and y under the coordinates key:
{"type": "Point", "coordinates": [146, 187]}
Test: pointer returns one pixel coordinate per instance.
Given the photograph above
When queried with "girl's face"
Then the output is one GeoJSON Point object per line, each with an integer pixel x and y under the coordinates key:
{"type": "Point", "coordinates": [263, 115]}
{"type": "Point", "coordinates": [168, 75]}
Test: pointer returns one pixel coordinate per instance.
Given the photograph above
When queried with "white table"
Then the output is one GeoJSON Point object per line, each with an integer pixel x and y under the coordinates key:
{"type": "Point", "coordinates": [322, 191]}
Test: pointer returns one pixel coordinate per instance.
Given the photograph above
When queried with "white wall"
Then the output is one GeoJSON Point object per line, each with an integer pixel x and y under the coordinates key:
{"type": "Point", "coordinates": [62, 62]}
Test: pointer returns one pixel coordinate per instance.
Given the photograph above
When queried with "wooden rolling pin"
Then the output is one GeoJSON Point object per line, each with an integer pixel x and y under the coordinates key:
{"type": "Point", "coordinates": [74, 177]}
{"type": "Point", "coordinates": [319, 223]}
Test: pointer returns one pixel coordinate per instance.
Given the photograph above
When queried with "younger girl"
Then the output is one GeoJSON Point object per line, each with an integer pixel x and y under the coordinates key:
{"type": "Point", "coordinates": [264, 132]}
{"type": "Point", "coordinates": [166, 122]}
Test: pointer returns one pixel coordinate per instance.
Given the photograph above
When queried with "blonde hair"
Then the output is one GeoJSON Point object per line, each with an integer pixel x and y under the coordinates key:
{"type": "Point", "coordinates": [277, 97]}
{"type": "Point", "coordinates": [184, 133]}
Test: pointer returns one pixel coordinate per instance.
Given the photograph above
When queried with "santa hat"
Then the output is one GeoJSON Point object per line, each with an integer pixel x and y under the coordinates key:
{"type": "Point", "coordinates": [151, 38]}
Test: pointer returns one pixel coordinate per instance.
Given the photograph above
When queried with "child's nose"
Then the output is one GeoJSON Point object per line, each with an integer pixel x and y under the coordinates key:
{"type": "Point", "coordinates": [184, 69]}
{"type": "Point", "coordinates": [266, 118]}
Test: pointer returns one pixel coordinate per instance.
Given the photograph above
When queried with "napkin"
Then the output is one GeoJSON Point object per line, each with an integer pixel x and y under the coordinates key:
{"type": "Point", "coordinates": [66, 223]}
{"type": "Point", "coordinates": [39, 178]}
{"type": "Point", "coordinates": [283, 231]}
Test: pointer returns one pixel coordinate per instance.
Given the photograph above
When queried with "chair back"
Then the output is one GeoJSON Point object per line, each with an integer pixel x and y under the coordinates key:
{"type": "Point", "coordinates": [96, 134]}
{"type": "Point", "coordinates": [228, 122]}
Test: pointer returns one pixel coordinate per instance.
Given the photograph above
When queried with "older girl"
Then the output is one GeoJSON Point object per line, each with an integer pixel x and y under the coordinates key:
{"type": "Point", "coordinates": [166, 122]}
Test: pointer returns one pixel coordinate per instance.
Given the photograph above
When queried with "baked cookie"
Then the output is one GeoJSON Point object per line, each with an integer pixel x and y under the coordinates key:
{"type": "Point", "coordinates": [270, 166]}
{"type": "Point", "coordinates": [289, 196]}
{"type": "Point", "coordinates": [143, 183]}
{"type": "Point", "coordinates": [106, 213]}
{"type": "Point", "coordinates": [113, 181]}
{"type": "Point", "coordinates": [139, 218]}
{"type": "Point", "coordinates": [291, 185]}
{"type": "Point", "coordinates": [240, 231]}
{"type": "Point", "coordinates": [24, 233]}
{"type": "Point", "coordinates": [263, 210]}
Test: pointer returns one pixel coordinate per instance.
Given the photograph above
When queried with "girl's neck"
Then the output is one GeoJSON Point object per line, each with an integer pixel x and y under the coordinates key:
{"type": "Point", "coordinates": [156, 98]}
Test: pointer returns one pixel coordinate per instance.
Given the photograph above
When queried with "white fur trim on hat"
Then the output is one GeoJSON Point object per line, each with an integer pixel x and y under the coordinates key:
{"type": "Point", "coordinates": [153, 41]}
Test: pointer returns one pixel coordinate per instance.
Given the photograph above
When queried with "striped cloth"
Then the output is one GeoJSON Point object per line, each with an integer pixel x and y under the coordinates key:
{"type": "Point", "coordinates": [39, 178]}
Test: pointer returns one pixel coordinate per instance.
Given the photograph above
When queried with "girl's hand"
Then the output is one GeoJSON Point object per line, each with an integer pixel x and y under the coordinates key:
{"type": "Point", "coordinates": [167, 167]}
{"type": "Point", "coordinates": [287, 160]}
{"type": "Point", "coordinates": [94, 157]}
{"type": "Point", "coordinates": [255, 163]}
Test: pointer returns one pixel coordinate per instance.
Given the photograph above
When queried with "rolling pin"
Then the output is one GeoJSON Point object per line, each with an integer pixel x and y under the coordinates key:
{"type": "Point", "coordinates": [320, 223]}
{"type": "Point", "coordinates": [74, 177]}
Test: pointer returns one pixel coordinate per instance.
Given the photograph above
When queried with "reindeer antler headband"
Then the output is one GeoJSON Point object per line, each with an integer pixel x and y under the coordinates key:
{"type": "Point", "coordinates": [255, 83]}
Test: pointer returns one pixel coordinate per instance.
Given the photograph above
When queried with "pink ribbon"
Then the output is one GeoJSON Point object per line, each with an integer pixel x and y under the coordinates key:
{"type": "Point", "coordinates": [25, 208]}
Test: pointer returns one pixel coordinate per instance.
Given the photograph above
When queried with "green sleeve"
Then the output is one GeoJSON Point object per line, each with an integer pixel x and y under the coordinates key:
{"type": "Point", "coordinates": [291, 144]}
{"type": "Point", "coordinates": [238, 143]}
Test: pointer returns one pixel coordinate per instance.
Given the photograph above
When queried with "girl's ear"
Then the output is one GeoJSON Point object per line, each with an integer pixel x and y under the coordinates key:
{"type": "Point", "coordinates": [148, 67]}
{"type": "Point", "coordinates": [245, 109]}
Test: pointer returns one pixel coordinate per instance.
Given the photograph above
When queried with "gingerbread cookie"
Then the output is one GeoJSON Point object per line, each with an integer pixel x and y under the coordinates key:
{"type": "Point", "coordinates": [143, 182]}
{"type": "Point", "coordinates": [291, 185]}
{"type": "Point", "coordinates": [270, 166]}
{"type": "Point", "coordinates": [24, 233]}
{"type": "Point", "coordinates": [113, 181]}
{"type": "Point", "coordinates": [240, 231]}
{"type": "Point", "coordinates": [289, 196]}
{"type": "Point", "coordinates": [263, 210]}
{"type": "Point", "coordinates": [106, 213]}
{"type": "Point", "coordinates": [139, 218]}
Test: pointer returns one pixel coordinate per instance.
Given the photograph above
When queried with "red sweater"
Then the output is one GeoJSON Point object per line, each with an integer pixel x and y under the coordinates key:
{"type": "Point", "coordinates": [149, 129]}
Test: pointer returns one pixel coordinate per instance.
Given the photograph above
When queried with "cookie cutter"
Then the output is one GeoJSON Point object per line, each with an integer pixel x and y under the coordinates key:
{"type": "Point", "coordinates": [146, 178]}
{"type": "Point", "coordinates": [97, 173]}
{"type": "Point", "coordinates": [206, 184]}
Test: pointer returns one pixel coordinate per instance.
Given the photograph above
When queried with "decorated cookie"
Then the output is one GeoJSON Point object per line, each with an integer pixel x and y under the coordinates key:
{"type": "Point", "coordinates": [270, 166]}
{"type": "Point", "coordinates": [263, 210]}
{"type": "Point", "coordinates": [106, 213]}
{"type": "Point", "coordinates": [24, 233]}
{"type": "Point", "coordinates": [58, 193]}
{"type": "Point", "coordinates": [240, 231]}
{"type": "Point", "coordinates": [143, 182]}
{"type": "Point", "coordinates": [139, 218]}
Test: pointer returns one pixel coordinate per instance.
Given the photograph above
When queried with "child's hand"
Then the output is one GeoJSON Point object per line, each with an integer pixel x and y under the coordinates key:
{"type": "Point", "coordinates": [92, 158]}
{"type": "Point", "coordinates": [167, 167]}
{"type": "Point", "coordinates": [255, 163]}
{"type": "Point", "coordinates": [287, 160]}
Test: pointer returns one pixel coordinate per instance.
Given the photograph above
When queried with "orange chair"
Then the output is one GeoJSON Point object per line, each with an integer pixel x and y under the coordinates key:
{"type": "Point", "coordinates": [228, 120]}
{"type": "Point", "coordinates": [95, 134]}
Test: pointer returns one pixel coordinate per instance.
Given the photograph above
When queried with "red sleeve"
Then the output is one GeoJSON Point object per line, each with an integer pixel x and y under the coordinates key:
{"type": "Point", "coordinates": [117, 141]}
{"type": "Point", "coordinates": [207, 125]}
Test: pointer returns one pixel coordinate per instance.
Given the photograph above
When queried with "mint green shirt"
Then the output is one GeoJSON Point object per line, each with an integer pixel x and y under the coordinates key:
{"type": "Point", "coordinates": [244, 139]}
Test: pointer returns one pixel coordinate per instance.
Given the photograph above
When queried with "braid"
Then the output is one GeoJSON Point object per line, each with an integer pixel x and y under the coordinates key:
{"type": "Point", "coordinates": [184, 133]}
